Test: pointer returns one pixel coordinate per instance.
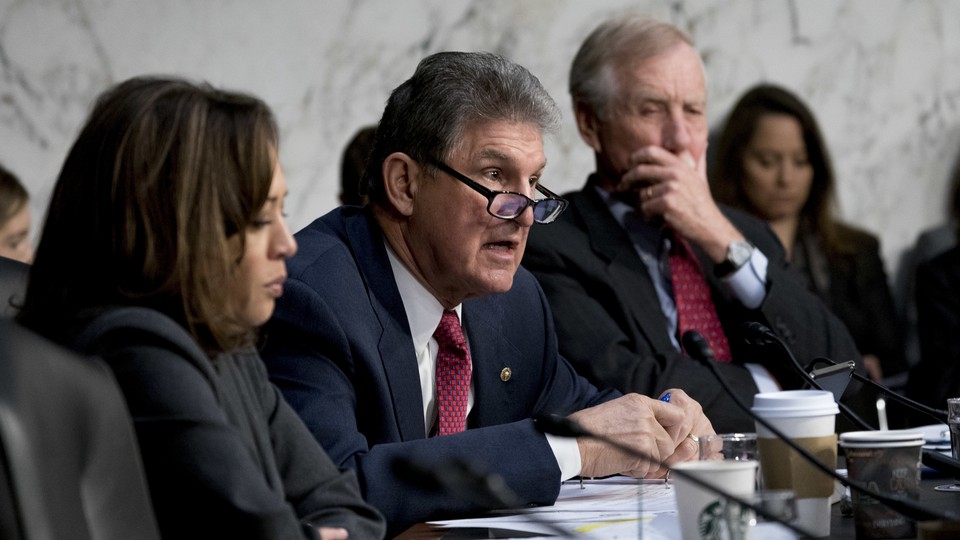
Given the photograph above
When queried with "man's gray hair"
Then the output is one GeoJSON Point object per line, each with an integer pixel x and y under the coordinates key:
{"type": "Point", "coordinates": [618, 40]}
{"type": "Point", "coordinates": [427, 116]}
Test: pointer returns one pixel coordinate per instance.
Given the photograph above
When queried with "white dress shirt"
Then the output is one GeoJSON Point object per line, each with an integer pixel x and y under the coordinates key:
{"type": "Point", "coordinates": [423, 316]}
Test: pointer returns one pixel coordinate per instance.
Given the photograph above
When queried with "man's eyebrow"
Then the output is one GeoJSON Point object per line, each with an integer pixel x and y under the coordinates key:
{"type": "Point", "coordinates": [496, 154]}
{"type": "Point", "coordinates": [492, 154]}
{"type": "Point", "coordinates": [651, 94]}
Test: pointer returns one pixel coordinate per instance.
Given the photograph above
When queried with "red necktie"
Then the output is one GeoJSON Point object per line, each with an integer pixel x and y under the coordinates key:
{"type": "Point", "coordinates": [453, 375]}
{"type": "Point", "coordinates": [695, 309]}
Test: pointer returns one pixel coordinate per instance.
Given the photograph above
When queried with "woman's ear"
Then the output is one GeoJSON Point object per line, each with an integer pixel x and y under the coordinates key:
{"type": "Point", "coordinates": [401, 176]}
{"type": "Point", "coordinates": [589, 125]}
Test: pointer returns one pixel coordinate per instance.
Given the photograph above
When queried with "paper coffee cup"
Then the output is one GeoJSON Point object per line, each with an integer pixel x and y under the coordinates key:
{"type": "Point", "coordinates": [808, 418]}
{"type": "Point", "coordinates": [706, 514]}
{"type": "Point", "coordinates": [888, 461]}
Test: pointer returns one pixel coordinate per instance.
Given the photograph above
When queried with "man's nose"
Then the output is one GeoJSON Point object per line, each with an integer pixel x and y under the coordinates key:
{"type": "Point", "coordinates": [676, 135]}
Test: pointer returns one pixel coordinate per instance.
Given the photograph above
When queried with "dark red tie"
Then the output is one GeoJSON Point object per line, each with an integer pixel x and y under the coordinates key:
{"type": "Point", "coordinates": [695, 309]}
{"type": "Point", "coordinates": [453, 375]}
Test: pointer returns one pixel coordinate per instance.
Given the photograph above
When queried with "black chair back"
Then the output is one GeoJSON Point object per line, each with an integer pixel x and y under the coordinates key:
{"type": "Point", "coordinates": [13, 285]}
{"type": "Point", "coordinates": [69, 461]}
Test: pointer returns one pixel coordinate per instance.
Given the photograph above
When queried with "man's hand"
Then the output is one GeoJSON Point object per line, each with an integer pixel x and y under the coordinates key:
{"type": "Point", "coordinates": [674, 187]}
{"type": "Point", "coordinates": [694, 423]}
{"type": "Point", "coordinates": [653, 428]}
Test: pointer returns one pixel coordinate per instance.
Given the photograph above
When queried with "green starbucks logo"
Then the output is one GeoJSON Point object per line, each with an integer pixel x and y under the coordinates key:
{"type": "Point", "coordinates": [710, 522]}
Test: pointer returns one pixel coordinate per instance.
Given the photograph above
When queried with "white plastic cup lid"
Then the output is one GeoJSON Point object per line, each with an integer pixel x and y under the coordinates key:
{"type": "Point", "coordinates": [886, 439]}
{"type": "Point", "coordinates": [794, 404]}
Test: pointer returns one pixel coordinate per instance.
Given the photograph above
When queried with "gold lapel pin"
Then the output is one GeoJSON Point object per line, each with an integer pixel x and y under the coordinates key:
{"type": "Point", "coordinates": [505, 374]}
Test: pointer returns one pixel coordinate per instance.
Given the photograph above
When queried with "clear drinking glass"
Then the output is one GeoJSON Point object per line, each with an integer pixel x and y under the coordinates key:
{"type": "Point", "coordinates": [953, 420]}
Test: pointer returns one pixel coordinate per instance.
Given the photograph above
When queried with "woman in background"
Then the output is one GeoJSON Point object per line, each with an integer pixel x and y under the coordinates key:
{"type": "Point", "coordinates": [772, 161]}
{"type": "Point", "coordinates": [936, 376]}
{"type": "Point", "coordinates": [14, 219]}
{"type": "Point", "coordinates": [163, 250]}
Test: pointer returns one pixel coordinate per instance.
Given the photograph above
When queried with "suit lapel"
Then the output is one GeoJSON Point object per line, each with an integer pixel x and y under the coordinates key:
{"type": "Point", "coordinates": [627, 273]}
{"type": "Point", "coordinates": [491, 354]}
{"type": "Point", "coordinates": [397, 357]}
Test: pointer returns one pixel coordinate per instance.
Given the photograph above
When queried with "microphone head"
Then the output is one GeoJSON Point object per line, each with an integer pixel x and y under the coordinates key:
{"type": "Point", "coordinates": [757, 334]}
{"type": "Point", "coordinates": [696, 346]}
{"type": "Point", "coordinates": [561, 426]}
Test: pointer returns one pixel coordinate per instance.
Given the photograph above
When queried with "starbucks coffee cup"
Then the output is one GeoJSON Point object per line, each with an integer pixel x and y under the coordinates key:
{"type": "Point", "coordinates": [808, 418]}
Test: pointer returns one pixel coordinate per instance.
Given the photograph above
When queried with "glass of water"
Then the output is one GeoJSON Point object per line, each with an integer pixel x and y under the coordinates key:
{"type": "Point", "coordinates": [953, 420]}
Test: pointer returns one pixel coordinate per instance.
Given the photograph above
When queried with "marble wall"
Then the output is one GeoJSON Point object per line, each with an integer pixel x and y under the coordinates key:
{"type": "Point", "coordinates": [881, 75]}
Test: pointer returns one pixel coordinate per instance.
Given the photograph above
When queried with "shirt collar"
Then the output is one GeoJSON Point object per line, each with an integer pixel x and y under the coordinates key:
{"type": "Point", "coordinates": [647, 237]}
{"type": "Point", "coordinates": [422, 308]}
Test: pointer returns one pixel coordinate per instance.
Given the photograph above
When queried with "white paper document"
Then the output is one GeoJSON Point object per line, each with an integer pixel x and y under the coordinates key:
{"type": "Point", "coordinates": [612, 508]}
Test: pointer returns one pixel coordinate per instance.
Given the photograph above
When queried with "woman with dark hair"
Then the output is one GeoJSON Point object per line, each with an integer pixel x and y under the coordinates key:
{"type": "Point", "coordinates": [771, 161]}
{"type": "Point", "coordinates": [163, 250]}
{"type": "Point", "coordinates": [14, 219]}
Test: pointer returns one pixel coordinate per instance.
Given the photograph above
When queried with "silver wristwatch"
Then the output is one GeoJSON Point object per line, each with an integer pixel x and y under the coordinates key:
{"type": "Point", "coordinates": [738, 253]}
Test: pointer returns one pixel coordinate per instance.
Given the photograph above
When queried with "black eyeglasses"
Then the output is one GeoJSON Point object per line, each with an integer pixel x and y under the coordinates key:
{"type": "Point", "coordinates": [509, 204]}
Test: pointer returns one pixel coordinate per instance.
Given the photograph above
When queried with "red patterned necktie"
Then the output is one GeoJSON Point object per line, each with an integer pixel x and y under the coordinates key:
{"type": "Point", "coordinates": [695, 309]}
{"type": "Point", "coordinates": [453, 375]}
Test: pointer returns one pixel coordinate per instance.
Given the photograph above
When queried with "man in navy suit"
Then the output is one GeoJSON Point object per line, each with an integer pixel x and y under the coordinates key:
{"type": "Point", "coordinates": [454, 169]}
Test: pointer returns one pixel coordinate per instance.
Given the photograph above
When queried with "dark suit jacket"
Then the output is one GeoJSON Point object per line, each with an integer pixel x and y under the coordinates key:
{"type": "Point", "coordinates": [937, 376]}
{"type": "Point", "coordinates": [224, 454]}
{"type": "Point", "coordinates": [339, 348]}
{"type": "Point", "coordinates": [613, 331]}
{"type": "Point", "coordinates": [854, 286]}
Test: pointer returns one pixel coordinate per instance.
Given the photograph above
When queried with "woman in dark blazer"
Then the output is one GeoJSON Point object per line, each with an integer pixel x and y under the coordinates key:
{"type": "Point", "coordinates": [772, 161]}
{"type": "Point", "coordinates": [163, 251]}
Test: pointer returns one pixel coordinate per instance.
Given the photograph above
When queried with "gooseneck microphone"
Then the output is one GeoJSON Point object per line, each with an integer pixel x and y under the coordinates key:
{"type": "Point", "coordinates": [560, 426]}
{"type": "Point", "coordinates": [937, 414]}
{"type": "Point", "coordinates": [466, 481]}
{"type": "Point", "coordinates": [757, 334]}
{"type": "Point", "coordinates": [698, 348]}
{"type": "Point", "coordinates": [931, 458]}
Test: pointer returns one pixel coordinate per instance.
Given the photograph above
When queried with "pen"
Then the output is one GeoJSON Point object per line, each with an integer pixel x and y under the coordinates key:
{"type": "Point", "coordinates": [666, 398]}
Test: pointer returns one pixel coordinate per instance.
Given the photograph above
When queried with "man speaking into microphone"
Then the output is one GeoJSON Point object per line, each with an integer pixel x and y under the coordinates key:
{"type": "Point", "coordinates": [408, 334]}
{"type": "Point", "coordinates": [644, 253]}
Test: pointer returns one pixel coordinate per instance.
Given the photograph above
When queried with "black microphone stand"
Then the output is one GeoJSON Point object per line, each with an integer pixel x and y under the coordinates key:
{"type": "Point", "coordinates": [931, 458]}
{"type": "Point", "coordinates": [564, 427]}
{"type": "Point", "coordinates": [697, 345]}
{"type": "Point", "coordinates": [760, 334]}
{"type": "Point", "coordinates": [937, 414]}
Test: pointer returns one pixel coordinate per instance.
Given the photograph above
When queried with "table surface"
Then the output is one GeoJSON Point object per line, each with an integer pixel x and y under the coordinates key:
{"type": "Point", "coordinates": [841, 526]}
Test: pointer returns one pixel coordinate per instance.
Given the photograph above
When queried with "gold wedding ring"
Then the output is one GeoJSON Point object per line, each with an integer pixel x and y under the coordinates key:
{"type": "Point", "coordinates": [649, 192]}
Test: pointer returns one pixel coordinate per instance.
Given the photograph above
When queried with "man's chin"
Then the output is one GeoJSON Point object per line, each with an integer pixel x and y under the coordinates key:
{"type": "Point", "coordinates": [495, 283]}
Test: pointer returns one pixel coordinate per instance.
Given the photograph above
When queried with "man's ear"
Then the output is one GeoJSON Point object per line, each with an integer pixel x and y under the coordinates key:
{"type": "Point", "coordinates": [588, 124]}
{"type": "Point", "coordinates": [401, 177]}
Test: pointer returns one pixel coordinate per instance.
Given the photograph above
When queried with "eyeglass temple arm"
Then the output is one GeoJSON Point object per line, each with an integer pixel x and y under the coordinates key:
{"type": "Point", "coordinates": [542, 189]}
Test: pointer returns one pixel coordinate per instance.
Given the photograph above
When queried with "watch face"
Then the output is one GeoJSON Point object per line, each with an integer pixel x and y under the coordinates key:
{"type": "Point", "coordinates": [739, 253]}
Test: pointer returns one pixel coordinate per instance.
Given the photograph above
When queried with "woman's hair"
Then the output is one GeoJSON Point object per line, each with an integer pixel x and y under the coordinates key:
{"type": "Point", "coordinates": [150, 209]}
{"type": "Point", "coordinates": [728, 176]}
{"type": "Point", "coordinates": [13, 196]}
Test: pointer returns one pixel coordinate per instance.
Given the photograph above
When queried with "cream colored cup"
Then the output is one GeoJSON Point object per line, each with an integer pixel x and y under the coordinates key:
{"type": "Point", "coordinates": [808, 418]}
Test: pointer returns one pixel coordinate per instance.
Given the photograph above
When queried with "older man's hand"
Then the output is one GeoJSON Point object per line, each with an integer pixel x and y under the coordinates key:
{"type": "Point", "coordinates": [657, 431]}
{"type": "Point", "coordinates": [674, 187]}
{"type": "Point", "coordinates": [694, 423]}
